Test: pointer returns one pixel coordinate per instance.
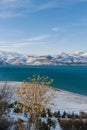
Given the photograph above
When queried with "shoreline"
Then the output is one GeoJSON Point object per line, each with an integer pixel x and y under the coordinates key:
{"type": "Point", "coordinates": [57, 89]}
{"type": "Point", "coordinates": [12, 83]}
{"type": "Point", "coordinates": [72, 93]}
{"type": "Point", "coordinates": [63, 100]}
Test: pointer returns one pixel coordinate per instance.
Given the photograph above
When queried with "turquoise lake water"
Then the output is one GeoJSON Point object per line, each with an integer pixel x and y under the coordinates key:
{"type": "Point", "coordinates": [71, 78]}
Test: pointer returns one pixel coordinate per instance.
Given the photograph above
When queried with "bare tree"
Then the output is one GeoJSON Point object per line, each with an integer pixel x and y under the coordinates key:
{"type": "Point", "coordinates": [5, 95]}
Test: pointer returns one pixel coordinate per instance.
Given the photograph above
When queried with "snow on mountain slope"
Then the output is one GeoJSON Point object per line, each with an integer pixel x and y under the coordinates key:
{"type": "Point", "coordinates": [63, 58]}
{"type": "Point", "coordinates": [84, 54]}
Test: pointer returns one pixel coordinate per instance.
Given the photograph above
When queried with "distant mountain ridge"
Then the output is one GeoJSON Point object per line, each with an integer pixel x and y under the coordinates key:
{"type": "Point", "coordinates": [60, 59]}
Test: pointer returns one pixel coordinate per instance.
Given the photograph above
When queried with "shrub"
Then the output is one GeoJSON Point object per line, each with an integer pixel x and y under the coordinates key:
{"type": "Point", "coordinates": [49, 113]}
{"type": "Point", "coordinates": [5, 96]}
{"type": "Point", "coordinates": [4, 124]}
{"type": "Point", "coordinates": [73, 116]}
{"type": "Point", "coordinates": [73, 124]}
{"type": "Point", "coordinates": [83, 115]}
{"type": "Point", "coordinates": [65, 124]}
{"type": "Point", "coordinates": [64, 114]}
{"type": "Point", "coordinates": [43, 113]}
{"type": "Point", "coordinates": [43, 126]}
{"type": "Point", "coordinates": [11, 105]}
{"type": "Point", "coordinates": [57, 114]}
{"type": "Point", "coordinates": [51, 123]}
{"type": "Point", "coordinates": [17, 110]}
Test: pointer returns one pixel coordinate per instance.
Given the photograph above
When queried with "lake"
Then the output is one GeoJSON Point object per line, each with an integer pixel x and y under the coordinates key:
{"type": "Point", "coordinates": [71, 78]}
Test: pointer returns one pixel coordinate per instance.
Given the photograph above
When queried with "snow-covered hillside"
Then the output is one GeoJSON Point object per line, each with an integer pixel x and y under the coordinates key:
{"type": "Point", "coordinates": [60, 59]}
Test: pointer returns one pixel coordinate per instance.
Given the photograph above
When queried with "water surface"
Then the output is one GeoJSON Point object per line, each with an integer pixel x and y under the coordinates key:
{"type": "Point", "coordinates": [71, 78]}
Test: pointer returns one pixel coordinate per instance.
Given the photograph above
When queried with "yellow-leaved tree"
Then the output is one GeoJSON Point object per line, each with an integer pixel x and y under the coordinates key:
{"type": "Point", "coordinates": [34, 95]}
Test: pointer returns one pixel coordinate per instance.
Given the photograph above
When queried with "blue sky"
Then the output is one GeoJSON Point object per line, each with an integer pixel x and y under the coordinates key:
{"type": "Point", "coordinates": [41, 27]}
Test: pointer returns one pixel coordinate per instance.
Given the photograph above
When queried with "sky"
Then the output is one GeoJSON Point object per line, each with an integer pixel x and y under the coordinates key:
{"type": "Point", "coordinates": [43, 27]}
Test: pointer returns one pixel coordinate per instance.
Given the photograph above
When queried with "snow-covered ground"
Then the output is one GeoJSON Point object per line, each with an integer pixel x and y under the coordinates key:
{"type": "Point", "coordinates": [68, 101]}
{"type": "Point", "coordinates": [63, 100]}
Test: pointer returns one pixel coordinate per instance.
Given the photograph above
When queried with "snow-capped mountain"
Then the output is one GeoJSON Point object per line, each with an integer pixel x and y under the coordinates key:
{"type": "Point", "coordinates": [62, 58]}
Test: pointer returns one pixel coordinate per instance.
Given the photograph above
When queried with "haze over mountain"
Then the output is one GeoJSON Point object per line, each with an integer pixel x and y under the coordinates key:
{"type": "Point", "coordinates": [59, 59]}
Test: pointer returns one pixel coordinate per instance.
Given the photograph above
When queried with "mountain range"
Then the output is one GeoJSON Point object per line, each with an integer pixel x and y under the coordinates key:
{"type": "Point", "coordinates": [72, 58]}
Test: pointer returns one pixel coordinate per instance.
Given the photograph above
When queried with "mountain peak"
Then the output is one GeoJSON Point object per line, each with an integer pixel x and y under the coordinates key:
{"type": "Point", "coordinates": [75, 57]}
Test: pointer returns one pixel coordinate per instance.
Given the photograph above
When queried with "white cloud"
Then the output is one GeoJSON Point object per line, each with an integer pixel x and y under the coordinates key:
{"type": "Point", "coordinates": [8, 14]}
{"type": "Point", "coordinates": [55, 29]}
{"type": "Point", "coordinates": [19, 44]}
{"type": "Point", "coordinates": [39, 38]}
{"type": "Point", "coordinates": [21, 47]}
{"type": "Point", "coordinates": [59, 29]}
{"type": "Point", "coordinates": [54, 4]}
{"type": "Point", "coordinates": [11, 8]}
{"type": "Point", "coordinates": [6, 1]}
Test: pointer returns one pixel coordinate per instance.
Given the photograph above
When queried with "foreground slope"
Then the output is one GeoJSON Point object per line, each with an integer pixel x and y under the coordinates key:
{"type": "Point", "coordinates": [63, 100]}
